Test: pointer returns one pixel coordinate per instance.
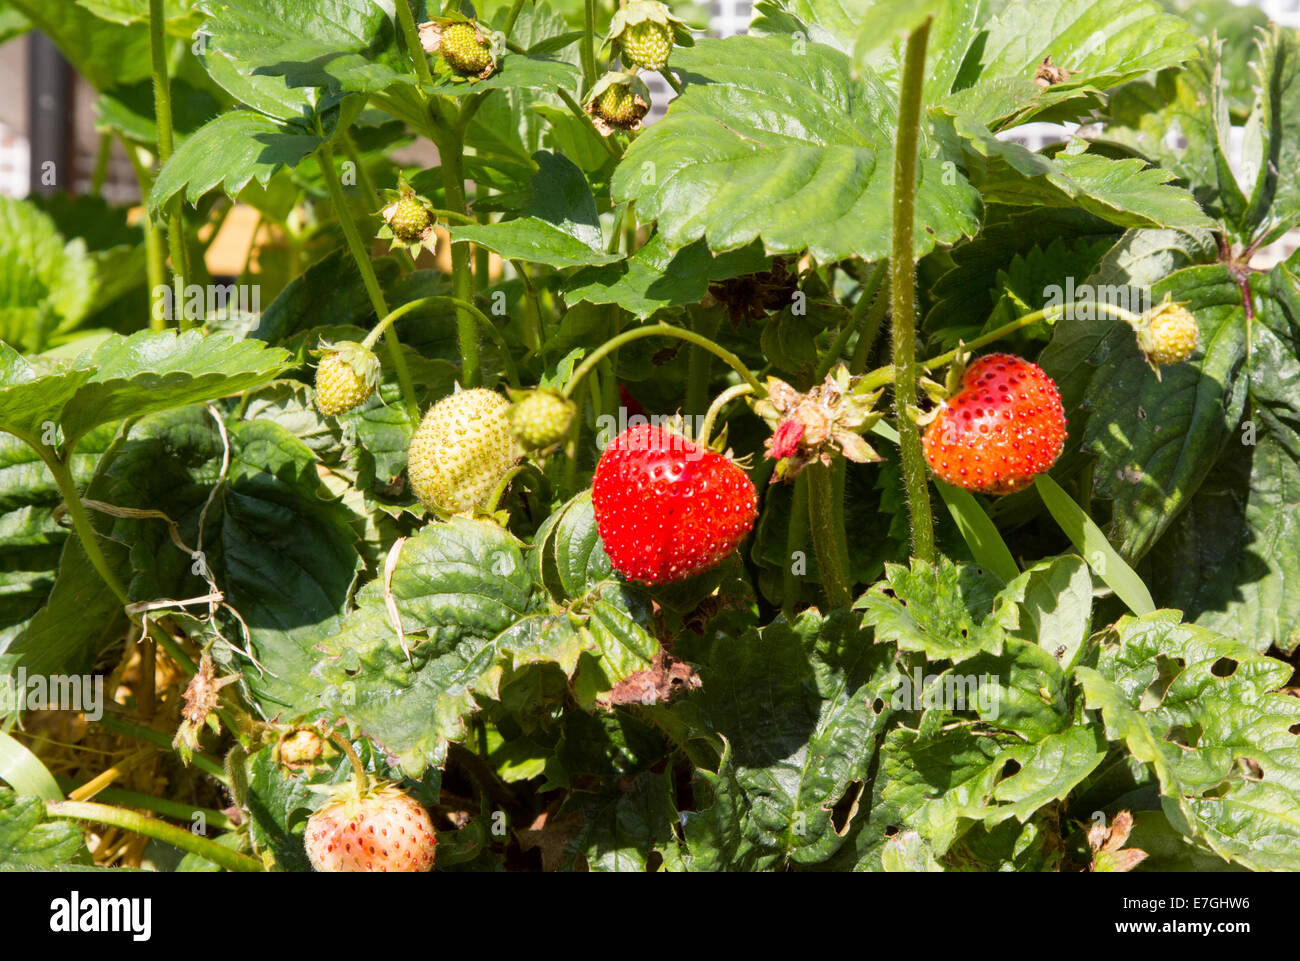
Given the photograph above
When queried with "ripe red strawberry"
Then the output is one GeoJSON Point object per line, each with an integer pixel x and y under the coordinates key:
{"type": "Point", "coordinates": [1004, 426]}
{"type": "Point", "coordinates": [666, 508]}
{"type": "Point", "coordinates": [381, 829]}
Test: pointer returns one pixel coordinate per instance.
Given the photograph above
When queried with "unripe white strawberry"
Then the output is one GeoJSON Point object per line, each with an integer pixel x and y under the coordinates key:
{"type": "Point", "coordinates": [380, 829]}
{"type": "Point", "coordinates": [1168, 334]}
{"type": "Point", "coordinates": [540, 418]}
{"type": "Point", "coordinates": [460, 451]}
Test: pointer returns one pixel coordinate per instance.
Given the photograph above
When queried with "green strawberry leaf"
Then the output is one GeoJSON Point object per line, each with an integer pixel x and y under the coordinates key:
{"type": "Point", "coordinates": [791, 149]}
{"type": "Point", "coordinates": [1125, 192]}
{"type": "Point", "coordinates": [272, 55]}
{"type": "Point", "coordinates": [47, 284]}
{"type": "Point", "coordinates": [559, 226]}
{"type": "Point", "coordinates": [625, 827]}
{"type": "Point", "coordinates": [31, 542]}
{"type": "Point", "coordinates": [1207, 715]}
{"type": "Point", "coordinates": [940, 610]}
{"type": "Point", "coordinates": [31, 842]}
{"type": "Point", "coordinates": [1230, 559]}
{"type": "Point", "coordinates": [781, 773]}
{"type": "Point", "coordinates": [1053, 607]}
{"type": "Point", "coordinates": [458, 587]}
{"type": "Point", "coordinates": [229, 151]}
{"type": "Point", "coordinates": [1272, 150]}
{"type": "Point", "coordinates": [126, 377]}
{"type": "Point", "coordinates": [106, 54]}
{"type": "Point", "coordinates": [656, 277]}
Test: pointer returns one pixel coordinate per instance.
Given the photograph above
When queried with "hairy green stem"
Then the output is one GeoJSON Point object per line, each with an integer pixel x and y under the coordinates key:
{"type": "Point", "coordinates": [162, 100]}
{"type": "Point", "coordinates": [361, 255]}
{"type": "Point", "coordinates": [153, 828]}
{"type": "Point", "coordinates": [665, 330]}
{"type": "Point", "coordinates": [903, 289]}
{"type": "Point", "coordinates": [796, 538]}
{"type": "Point", "coordinates": [412, 38]}
{"type": "Point", "coordinates": [451, 153]}
{"type": "Point", "coordinates": [154, 243]}
{"type": "Point", "coordinates": [512, 372]}
{"type": "Point", "coordinates": [828, 536]}
{"type": "Point", "coordinates": [367, 184]}
{"type": "Point", "coordinates": [700, 363]}
{"type": "Point", "coordinates": [102, 157]}
{"type": "Point", "coordinates": [588, 44]}
{"type": "Point", "coordinates": [885, 375]}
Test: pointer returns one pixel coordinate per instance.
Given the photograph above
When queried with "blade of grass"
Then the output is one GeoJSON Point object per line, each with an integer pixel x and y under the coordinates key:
{"type": "Point", "coordinates": [23, 771]}
{"type": "Point", "coordinates": [1092, 544]}
{"type": "Point", "coordinates": [981, 534]}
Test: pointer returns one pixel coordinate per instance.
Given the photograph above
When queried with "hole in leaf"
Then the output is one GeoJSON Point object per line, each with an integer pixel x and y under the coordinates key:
{"type": "Point", "coordinates": [1010, 769]}
{"type": "Point", "coordinates": [1167, 668]}
{"type": "Point", "coordinates": [1294, 729]}
{"type": "Point", "coordinates": [1184, 735]}
{"type": "Point", "coordinates": [1224, 667]}
{"type": "Point", "coordinates": [653, 862]}
{"type": "Point", "coordinates": [878, 705]}
{"type": "Point", "coordinates": [891, 830]}
{"type": "Point", "coordinates": [847, 806]}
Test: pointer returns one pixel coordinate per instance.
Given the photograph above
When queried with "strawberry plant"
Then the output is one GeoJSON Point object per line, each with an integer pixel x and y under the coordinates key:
{"type": "Point", "coordinates": [810, 476]}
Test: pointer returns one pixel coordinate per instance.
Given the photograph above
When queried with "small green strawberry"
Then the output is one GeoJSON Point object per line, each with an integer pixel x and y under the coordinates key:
{"type": "Point", "coordinates": [647, 44]}
{"type": "Point", "coordinates": [645, 32]}
{"type": "Point", "coordinates": [346, 377]}
{"type": "Point", "coordinates": [460, 451]}
{"type": "Point", "coordinates": [1167, 334]}
{"type": "Point", "coordinates": [469, 51]}
{"type": "Point", "coordinates": [618, 101]}
{"type": "Point", "coordinates": [540, 419]}
{"type": "Point", "coordinates": [409, 220]}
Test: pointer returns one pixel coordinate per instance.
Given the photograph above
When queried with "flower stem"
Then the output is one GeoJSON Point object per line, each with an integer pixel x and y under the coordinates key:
{"type": "Point", "coordinates": [367, 269]}
{"type": "Point", "coordinates": [726, 397]}
{"type": "Point", "coordinates": [796, 538]}
{"type": "Point", "coordinates": [512, 372]}
{"type": "Point", "coordinates": [451, 153]}
{"type": "Point", "coordinates": [903, 289]}
{"type": "Point", "coordinates": [666, 330]}
{"type": "Point", "coordinates": [828, 536]}
{"type": "Point", "coordinates": [358, 769]}
{"type": "Point", "coordinates": [700, 363]}
{"type": "Point", "coordinates": [885, 375]}
{"type": "Point", "coordinates": [588, 44]}
{"type": "Point", "coordinates": [412, 38]}
{"type": "Point", "coordinates": [162, 100]}
{"type": "Point", "coordinates": [153, 828]}
{"type": "Point", "coordinates": [868, 297]}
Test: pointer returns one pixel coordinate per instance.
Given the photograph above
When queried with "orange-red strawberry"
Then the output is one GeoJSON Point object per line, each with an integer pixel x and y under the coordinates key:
{"type": "Point", "coordinates": [380, 829]}
{"type": "Point", "coordinates": [667, 508]}
{"type": "Point", "coordinates": [1004, 426]}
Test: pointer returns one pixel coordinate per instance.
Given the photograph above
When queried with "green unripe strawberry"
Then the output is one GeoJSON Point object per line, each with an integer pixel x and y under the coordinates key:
{"type": "Point", "coordinates": [647, 44]}
{"type": "Point", "coordinates": [409, 219]}
{"type": "Point", "coordinates": [460, 451]}
{"type": "Point", "coordinates": [346, 377]}
{"type": "Point", "coordinates": [1169, 335]}
{"type": "Point", "coordinates": [540, 419]}
{"type": "Point", "coordinates": [465, 50]}
{"type": "Point", "coordinates": [618, 106]}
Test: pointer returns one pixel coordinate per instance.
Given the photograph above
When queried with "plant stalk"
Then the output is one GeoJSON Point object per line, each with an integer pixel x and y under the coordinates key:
{"type": "Point", "coordinates": [367, 269]}
{"type": "Point", "coordinates": [665, 330]}
{"type": "Point", "coordinates": [451, 153]}
{"type": "Point", "coordinates": [828, 536]}
{"type": "Point", "coordinates": [162, 100]}
{"type": "Point", "coordinates": [153, 828]}
{"type": "Point", "coordinates": [903, 288]}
